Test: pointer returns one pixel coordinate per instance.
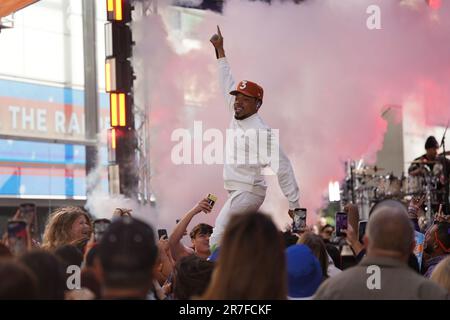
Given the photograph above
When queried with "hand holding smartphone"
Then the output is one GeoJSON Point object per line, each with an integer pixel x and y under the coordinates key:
{"type": "Point", "coordinates": [18, 237]}
{"type": "Point", "coordinates": [341, 223]}
{"type": "Point", "coordinates": [211, 199]}
{"type": "Point", "coordinates": [28, 213]}
{"type": "Point", "coordinates": [362, 230]}
{"type": "Point", "coordinates": [162, 234]}
{"type": "Point", "coordinates": [206, 204]}
{"type": "Point", "coordinates": [299, 220]}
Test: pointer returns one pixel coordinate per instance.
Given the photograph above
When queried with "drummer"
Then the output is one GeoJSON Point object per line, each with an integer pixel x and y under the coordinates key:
{"type": "Point", "coordinates": [425, 163]}
{"type": "Point", "coordinates": [432, 163]}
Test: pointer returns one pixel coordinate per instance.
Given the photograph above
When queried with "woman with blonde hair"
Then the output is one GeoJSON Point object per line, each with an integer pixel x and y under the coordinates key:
{"type": "Point", "coordinates": [67, 225]}
{"type": "Point", "coordinates": [441, 274]}
{"type": "Point", "coordinates": [251, 263]}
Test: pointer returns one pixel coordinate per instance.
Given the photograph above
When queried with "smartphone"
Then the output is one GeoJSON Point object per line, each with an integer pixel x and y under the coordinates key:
{"type": "Point", "coordinates": [211, 199]}
{"type": "Point", "coordinates": [362, 230]}
{"type": "Point", "coordinates": [162, 233]}
{"type": "Point", "coordinates": [17, 236]}
{"type": "Point", "coordinates": [341, 223]}
{"type": "Point", "coordinates": [100, 226]}
{"type": "Point", "coordinates": [299, 218]}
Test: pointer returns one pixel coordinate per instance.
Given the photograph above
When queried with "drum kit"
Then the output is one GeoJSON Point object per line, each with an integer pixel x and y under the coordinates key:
{"type": "Point", "coordinates": [366, 185]}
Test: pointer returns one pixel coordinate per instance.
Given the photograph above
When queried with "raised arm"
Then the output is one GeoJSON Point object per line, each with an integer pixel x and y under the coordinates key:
{"type": "Point", "coordinates": [227, 82]}
{"type": "Point", "coordinates": [177, 249]}
{"type": "Point", "coordinates": [413, 210]}
{"type": "Point", "coordinates": [287, 182]}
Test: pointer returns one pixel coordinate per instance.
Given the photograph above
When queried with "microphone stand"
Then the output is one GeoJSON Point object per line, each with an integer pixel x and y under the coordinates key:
{"type": "Point", "coordinates": [446, 182]}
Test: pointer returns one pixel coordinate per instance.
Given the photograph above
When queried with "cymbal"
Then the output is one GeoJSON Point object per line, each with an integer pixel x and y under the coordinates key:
{"type": "Point", "coordinates": [371, 167]}
{"type": "Point", "coordinates": [368, 170]}
{"type": "Point", "coordinates": [423, 162]}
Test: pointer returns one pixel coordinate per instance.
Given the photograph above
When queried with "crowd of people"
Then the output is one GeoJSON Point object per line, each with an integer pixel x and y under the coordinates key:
{"type": "Point", "coordinates": [244, 256]}
{"type": "Point", "coordinates": [255, 260]}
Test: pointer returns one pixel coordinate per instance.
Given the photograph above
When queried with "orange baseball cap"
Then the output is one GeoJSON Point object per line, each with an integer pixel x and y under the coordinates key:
{"type": "Point", "coordinates": [250, 89]}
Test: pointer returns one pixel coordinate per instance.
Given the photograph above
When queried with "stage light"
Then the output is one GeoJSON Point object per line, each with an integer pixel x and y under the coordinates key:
{"type": "Point", "coordinates": [118, 75]}
{"type": "Point", "coordinates": [118, 10]}
{"type": "Point", "coordinates": [120, 110]}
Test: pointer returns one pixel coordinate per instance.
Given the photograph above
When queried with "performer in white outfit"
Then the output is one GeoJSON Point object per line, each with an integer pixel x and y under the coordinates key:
{"type": "Point", "coordinates": [244, 180]}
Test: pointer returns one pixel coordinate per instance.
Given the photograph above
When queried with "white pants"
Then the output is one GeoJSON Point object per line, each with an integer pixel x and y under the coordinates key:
{"type": "Point", "coordinates": [238, 202]}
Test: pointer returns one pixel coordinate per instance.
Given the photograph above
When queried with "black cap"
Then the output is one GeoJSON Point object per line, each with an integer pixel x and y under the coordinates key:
{"type": "Point", "coordinates": [128, 247]}
{"type": "Point", "coordinates": [431, 143]}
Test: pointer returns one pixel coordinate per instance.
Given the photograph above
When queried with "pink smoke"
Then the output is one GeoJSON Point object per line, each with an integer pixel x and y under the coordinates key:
{"type": "Point", "coordinates": [326, 77]}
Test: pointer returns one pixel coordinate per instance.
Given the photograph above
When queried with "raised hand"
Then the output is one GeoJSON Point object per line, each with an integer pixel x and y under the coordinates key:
{"type": "Point", "coordinates": [202, 206]}
{"type": "Point", "coordinates": [217, 42]}
{"type": "Point", "coordinates": [414, 206]}
{"type": "Point", "coordinates": [217, 39]}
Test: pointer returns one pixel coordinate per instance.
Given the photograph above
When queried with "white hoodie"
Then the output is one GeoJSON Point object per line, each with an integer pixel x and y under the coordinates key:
{"type": "Point", "coordinates": [248, 176]}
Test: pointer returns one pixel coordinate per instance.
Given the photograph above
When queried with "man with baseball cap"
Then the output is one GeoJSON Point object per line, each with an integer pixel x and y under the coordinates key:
{"type": "Point", "coordinates": [245, 181]}
{"type": "Point", "coordinates": [127, 253]}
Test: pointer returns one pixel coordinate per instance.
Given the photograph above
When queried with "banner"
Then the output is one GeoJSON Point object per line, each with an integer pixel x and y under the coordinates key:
{"type": "Point", "coordinates": [46, 112]}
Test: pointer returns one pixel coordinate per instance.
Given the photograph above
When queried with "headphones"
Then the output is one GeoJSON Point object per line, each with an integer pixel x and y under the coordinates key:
{"type": "Point", "coordinates": [258, 104]}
